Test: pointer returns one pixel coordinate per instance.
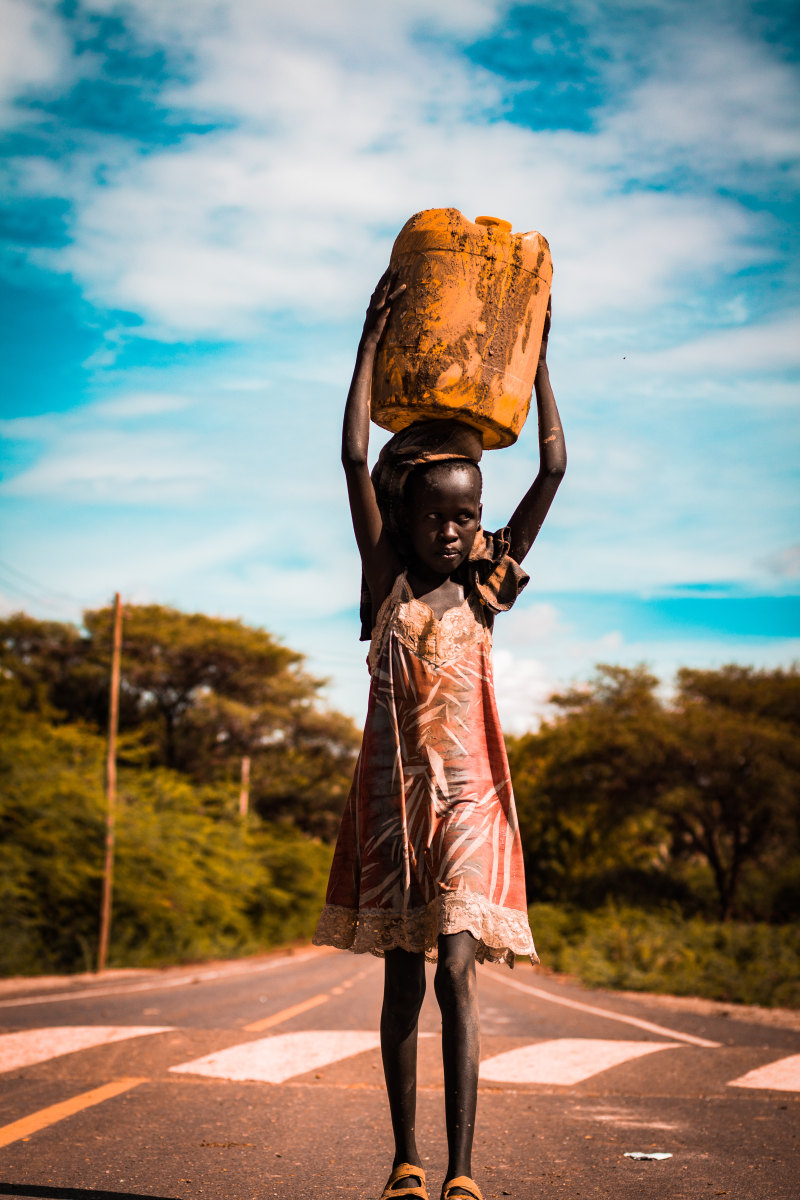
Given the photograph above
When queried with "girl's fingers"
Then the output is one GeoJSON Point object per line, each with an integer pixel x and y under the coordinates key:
{"type": "Point", "coordinates": [397, 291]}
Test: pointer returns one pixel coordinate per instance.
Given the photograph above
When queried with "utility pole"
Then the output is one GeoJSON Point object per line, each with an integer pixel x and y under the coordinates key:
{"type": "Point", "coordinates": [111, 787]}
{"type": "Point", "coordinates": [244, 794]}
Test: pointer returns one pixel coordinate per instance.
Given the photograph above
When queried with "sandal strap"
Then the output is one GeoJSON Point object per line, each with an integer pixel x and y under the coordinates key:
{"type": "Point", "coordinates": [405, 1171]}
{"type": "Point", "coordinates": [465, 1183]}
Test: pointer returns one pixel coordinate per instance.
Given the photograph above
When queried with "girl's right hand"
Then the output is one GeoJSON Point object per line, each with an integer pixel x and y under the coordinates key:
{"type": "Point", "coordinates": [545, 334]}
{"type": "Point", "coordinates": [380, 305]}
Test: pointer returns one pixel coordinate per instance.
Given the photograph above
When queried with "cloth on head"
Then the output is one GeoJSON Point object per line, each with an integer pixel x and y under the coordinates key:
{"type": "Point", "coordinates": [490, 569]}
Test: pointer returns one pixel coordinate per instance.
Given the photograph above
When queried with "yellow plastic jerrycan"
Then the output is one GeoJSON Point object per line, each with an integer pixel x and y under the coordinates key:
{"type": "Point", "coordinates": [463, 340]}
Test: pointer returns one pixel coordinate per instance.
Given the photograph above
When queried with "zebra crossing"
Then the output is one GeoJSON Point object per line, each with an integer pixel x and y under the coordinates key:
{"type": "Point", "coordinates": [281, 1058]}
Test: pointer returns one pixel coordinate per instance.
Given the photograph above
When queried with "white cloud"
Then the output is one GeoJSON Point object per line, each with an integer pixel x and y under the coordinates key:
{"type": "Point", "coordinates": [718, 104]}
{"type": "Point", "coordinates": [344, 123]}
{"type": "Point", "coordinates": [784, 563]}
{"type": "Point", "coordinates": [756, 348]}
{"type": "Point", "coordinates": [102, 467]}
{"type": "Point", "coordinates": [34, 53]}
{"type": "Point", "coordinates": [140, 405]}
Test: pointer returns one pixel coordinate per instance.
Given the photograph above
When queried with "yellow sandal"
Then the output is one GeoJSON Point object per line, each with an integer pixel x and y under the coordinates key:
{"type": "Point", "coordinates": [465, 1183]}
{"type": "Point", "coordinates": [405, 1171]}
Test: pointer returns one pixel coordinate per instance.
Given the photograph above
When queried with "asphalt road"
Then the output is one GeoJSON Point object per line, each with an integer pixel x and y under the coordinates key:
{"type": "Point", "coordinates": [262, 1079]}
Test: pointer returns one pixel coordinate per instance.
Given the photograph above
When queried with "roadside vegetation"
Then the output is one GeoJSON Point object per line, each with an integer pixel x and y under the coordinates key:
{"type": "Point", "coordinates": [661, 837]}
{"type": "Point", "coordinates": [194, 878]}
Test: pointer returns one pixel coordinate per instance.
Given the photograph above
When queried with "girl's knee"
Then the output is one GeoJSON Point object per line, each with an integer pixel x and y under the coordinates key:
{"type": "Point", "coordinates": [454, 981]}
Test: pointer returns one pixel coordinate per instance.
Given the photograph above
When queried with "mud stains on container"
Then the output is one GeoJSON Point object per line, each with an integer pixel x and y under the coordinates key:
{"type": "Point", "coordinates": [463, 339]}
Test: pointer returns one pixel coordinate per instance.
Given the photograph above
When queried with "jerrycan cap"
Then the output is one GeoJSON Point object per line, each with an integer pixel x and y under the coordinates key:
{"type": "Point", "coordinates": [494, 223]}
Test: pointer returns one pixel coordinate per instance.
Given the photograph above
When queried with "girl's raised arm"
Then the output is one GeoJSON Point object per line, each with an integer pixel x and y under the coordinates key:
{"type": "Point", "coordinates": [378, 558]}
{"type": "Point", "coordinates": [532, 509]}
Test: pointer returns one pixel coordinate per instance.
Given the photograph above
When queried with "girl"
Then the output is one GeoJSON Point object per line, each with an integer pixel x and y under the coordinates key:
{"type": "Point", "coordinates": [428, 861]}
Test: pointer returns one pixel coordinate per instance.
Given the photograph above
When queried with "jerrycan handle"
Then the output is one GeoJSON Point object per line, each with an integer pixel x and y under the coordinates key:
{"type": "Point", "coordinates": [494, 223]}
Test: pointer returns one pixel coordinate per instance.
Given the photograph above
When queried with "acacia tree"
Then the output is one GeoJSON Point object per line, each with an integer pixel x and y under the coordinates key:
{"type": "Point", "coordinates": [197, 693]}
{"type": "Point", "coordinates": [621, 782]}
{"type": "Point", "coordinates": [584, 785]}
{"type": "Point", "coordinates": [40, 657]}
{"type": "Point", "coordinates": [732, 790]}
{"type": "Point", "coordinates": [211, 686]}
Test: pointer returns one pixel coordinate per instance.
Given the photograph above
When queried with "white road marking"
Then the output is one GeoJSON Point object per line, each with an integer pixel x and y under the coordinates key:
{"type": "Point", "coordinates": [157, 985]}
{"type": "Point", "coordinates": [276, 1059]}
{"type": "Point", "coordinates": [780, 1076]}
{"type": "Point", "coordinates": [607, 1013]}
{"type": "Point", "coordinates": [31, 1046]}
{"type": "Point", "coordinates": [564, 1060]}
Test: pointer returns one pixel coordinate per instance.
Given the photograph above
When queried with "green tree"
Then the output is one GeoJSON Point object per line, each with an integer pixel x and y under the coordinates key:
{"type": "Point", "coordinates": [51, 839]}
{"type": "Point", "coordinates": [191, 879]}
{"type": "Point", "coordinates": [732, 791]}
{"type": "Point", "coordinates": [214, 688]}
{"type": "Point", "coordinates": [585, 786]}
{"type": "Point", "coordinates": [622, 791]}
{"type": "Point", "coordinates": [197, 694]}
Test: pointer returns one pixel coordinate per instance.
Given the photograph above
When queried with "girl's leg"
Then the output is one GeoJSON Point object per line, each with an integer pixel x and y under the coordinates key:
{"type": "Point", "coordinates": [403, 992]}
{"type": "Point", "coordinates": [457, 993]}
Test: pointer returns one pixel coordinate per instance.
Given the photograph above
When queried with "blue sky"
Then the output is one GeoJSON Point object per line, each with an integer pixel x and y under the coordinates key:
{"type": "Point", "coordinates": [198, 197]}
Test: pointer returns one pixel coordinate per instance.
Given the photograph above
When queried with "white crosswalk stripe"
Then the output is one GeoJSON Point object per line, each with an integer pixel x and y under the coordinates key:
{"type": "Point", "coordinates": [780, 1076]}
{"type": "Point", "coordinates": [564, 1060]}
{"type": "Point", "coordinates": [31, 1046]}
{"type": "Point", "coordinates": [276, 1059]}
{"type": "Point", "coordinates": [281, 1057]}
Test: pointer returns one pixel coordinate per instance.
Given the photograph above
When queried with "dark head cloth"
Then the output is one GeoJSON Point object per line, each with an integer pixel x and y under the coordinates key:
{"type": "Point", "coordinates": [490, 569]}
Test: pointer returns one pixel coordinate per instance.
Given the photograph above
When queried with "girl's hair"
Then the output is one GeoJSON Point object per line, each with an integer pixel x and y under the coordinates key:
{"type": "Point", "coordinates": [420, 470]}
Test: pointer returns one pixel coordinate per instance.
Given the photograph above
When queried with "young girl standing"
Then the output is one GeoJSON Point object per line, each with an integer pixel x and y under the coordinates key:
{"type": "Point", "coordinates": [428, 862]}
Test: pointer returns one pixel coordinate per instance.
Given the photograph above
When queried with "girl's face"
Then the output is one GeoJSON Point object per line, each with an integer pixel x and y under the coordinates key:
{"type": "Point", "coordinates": [443, 515]}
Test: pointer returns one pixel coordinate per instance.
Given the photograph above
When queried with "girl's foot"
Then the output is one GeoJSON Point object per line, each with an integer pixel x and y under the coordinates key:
{"type": "Point", "coordinates": [461, 1188]}
{"type": "Point", "coordinates": [406, 1180]}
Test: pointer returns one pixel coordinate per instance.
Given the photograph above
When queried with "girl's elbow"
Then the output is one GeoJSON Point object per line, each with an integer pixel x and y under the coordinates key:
{"type": "Point", "coordinates": [557, 469]}
{"type": "Point", "coordinates": [354, 456]}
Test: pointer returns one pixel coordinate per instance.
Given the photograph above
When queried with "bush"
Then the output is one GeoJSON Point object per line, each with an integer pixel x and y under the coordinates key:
{"type": "Point", "coordinates": [191, 880]}
{"type": "Point", "coordinates": [639, 950]}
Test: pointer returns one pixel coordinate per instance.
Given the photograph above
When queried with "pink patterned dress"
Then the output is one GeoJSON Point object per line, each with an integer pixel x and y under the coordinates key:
{"type": "Point", "coordinates": [429, 841]}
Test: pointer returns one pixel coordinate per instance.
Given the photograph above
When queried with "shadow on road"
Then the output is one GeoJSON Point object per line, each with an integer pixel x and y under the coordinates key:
{"type": "Point", "coordinates": [59, 1193]}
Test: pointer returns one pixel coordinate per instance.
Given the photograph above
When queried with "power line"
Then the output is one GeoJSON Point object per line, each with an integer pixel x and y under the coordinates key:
{"type": "Point", "coordinates": [20, 583]}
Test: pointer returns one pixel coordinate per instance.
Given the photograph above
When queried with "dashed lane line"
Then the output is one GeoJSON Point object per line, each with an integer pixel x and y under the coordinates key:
{"type": "Point", "coordinates": [38, 1045]}
{"type": "Point", "coordinates": [564, 1060]}
{"type": "Point", "coordinates": [607, 1013]}
{"type": "Point", "coordinates": [156, 985]}
{"type": "Point", "coordinates": [780, 1076]}
{"type": "Point", "coordinates": [286, 1014]}
{"type": "Point", "coordinates": [295, 1010]}
{"type": "Point", "coordinates": [30, 1046]}
{"type": "Point", "coordinates": [66, 1108]}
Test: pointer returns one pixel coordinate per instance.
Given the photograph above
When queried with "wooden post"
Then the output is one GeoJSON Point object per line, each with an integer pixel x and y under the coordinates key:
{"type": "Point", "coordinates": [111, 787]}
{"type": "Point", "coordinates": [244, 794]}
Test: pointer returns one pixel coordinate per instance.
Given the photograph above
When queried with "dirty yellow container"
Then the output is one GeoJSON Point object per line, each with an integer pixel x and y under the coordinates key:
{"type": "Point", "coordinates": [463, 340]}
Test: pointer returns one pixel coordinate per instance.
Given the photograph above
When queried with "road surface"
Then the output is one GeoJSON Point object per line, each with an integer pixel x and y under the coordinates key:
{"type": "Point", "coordinates": [262, 1079]}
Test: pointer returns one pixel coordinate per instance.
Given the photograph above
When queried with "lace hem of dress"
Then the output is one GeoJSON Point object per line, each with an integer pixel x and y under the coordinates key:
{"type": "Point", "coordinates": [501, 933]}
